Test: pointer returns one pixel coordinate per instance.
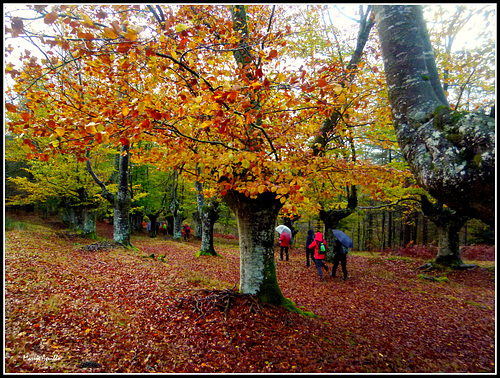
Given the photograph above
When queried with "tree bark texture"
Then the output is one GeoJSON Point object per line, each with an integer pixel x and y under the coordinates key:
{"type": "Point", "coordinates": [121, 213]}
{"type": "Point", "coordinates": [208, 214]}
{"type": "Point", "coordinates": [256, 218]}
{"type": "Point", "coordinates": [448, 224]}
{"type": "Point", "coordinates": [450, 153]}
{"type": "Point", "coordinates": [121, 201]}
{"type": "Point", "coordinates": [175, 208]}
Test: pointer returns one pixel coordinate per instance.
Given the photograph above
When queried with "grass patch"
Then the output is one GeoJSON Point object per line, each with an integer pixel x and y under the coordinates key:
{"type": "Point", "coordinates": [197, 279]}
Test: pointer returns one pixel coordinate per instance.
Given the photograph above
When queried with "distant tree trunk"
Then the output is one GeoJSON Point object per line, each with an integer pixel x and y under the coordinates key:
{"type": "Point", "coordinates": [425, 230]}
{"type": "Point", "coordinates": [153, 218]}
{"type": "Point", "coordinates": [80, 215]}
{"type": "Point", "coordinates": [290, 223]}
{"type": "Point", "coordinates": [175, 208]}
{"type": "Point", "coordinates": [450, 153]}
{"type": "Point", "coordinates": [256, 219]}
{"type": "Point", "coordinates": [448, 223]}
{"type": "Point", "coordinates": [120, 201]}
{"type": "Point", "coordinates": [208, 214]}
{"type": "Point", "coordinates": [331, 219]}
{"type": "Point", "coordinates": [121, 210]}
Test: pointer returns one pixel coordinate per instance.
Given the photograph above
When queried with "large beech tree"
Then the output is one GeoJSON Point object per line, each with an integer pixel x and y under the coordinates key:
{"type": "Point", "coordinates": [450, 153]}
{"type": "Point", "coordinates": [208, 86]}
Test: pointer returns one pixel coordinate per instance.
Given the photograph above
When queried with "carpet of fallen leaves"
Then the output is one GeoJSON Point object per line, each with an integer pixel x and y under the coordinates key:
{"type": "Point", "coordinates": [76, 305]}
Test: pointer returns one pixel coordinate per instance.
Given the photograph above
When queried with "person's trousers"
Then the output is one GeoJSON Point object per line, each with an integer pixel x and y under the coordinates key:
{"type": "Point", "coordinates": [342, 259]}
{"type": "Point", "coordinates": [309, 253]}
{"type": "Point", "coordinates": [286, 252]}
{"type": "Point", "coordinates": [320, 264]}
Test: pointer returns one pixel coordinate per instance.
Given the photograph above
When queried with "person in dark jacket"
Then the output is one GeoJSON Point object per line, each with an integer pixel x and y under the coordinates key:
{"type": "Point", "coordinates": [309, 251]}
{"type": "Point", "coordinates": [340, 256]}
{"type": "Point", "coordinates": [318, 254]}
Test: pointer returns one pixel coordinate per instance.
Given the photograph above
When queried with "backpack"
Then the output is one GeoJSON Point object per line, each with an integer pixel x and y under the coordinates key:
{"type": "Point", "coordinates": [321, 246]}
{"type": "Point", "coordinates": [344, 249]}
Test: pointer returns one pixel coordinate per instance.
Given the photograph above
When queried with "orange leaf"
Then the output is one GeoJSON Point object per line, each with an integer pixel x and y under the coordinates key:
{"type": "Point", "coordinates": [125, 111]}
{"type": "Point", "coordinates": [11, 108]}
{"type": "Point", "coordinates": [110, 33]}
{"type": "Point", "coordinates": [273, 54]}
{"type": "Point", "coordinates": [322, 83]}
{"type": "Point", "coordinates": [50, 18]}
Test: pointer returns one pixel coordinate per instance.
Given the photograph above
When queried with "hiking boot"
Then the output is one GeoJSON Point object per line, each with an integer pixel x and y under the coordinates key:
{"type": "Point", "coordinates": [345, 278]}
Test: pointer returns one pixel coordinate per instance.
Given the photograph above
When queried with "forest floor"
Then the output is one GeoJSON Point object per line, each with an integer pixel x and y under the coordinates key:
{"type": "Point", "coordinates": [77, 305]}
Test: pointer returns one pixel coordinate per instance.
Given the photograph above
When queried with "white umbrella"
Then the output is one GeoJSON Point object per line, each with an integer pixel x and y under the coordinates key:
{"type": "Point", "coordinates": [282, 228]}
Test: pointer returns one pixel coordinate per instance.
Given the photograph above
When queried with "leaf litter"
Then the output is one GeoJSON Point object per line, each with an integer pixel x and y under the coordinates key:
{"type": "Point", "coordinates": [73, 308]}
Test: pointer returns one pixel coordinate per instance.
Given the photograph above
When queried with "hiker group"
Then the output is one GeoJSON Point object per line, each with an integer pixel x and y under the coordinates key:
{"type": "Point", "coordinates": [316, 248]}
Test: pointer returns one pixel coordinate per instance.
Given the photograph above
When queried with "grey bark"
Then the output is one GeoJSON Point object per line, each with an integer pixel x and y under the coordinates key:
{"type": "Point", "coordinates": [448, 223]}
{"type": "Point", "coordinates": [208, 214]}
{"type": "Point", "coordinates": [256, 219]}
{"type": "Point", "coordinates": [450, 153]}
{"type": "Point", "coordinates": [175, 208]}
{"type": "Point", "coordinates": [120, 201]}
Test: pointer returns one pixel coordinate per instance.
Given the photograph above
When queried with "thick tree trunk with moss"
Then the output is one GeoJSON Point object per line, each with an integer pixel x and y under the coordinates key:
{"type": "Point", "coordinates": [449, 224]}
{"type": "Point", "coordinates": [256, 221]}
{"type": "Point", "coordinates": [450, 153]}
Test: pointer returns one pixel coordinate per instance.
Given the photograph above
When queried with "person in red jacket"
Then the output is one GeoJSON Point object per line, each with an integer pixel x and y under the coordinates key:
{"type": "Point", "coordinates": [284, 244]}
{"type": "Point", "coordinates": [319, 255]}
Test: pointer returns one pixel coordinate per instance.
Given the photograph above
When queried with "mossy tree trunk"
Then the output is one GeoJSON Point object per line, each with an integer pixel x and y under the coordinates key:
{"type": "Point", "coordinates": [122, 203]}
{"type": "Point", "coordinates": [448, 223]}
{"type": "Point", "coordinates": [256, 218]}
{"type": "Point", "coordinates": [450, 153]}
{"type": "Point", "coordinates": [175, 208]}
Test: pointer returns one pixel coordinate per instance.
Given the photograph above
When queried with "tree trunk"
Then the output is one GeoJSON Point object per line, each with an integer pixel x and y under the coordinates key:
{"type": "Point", "coordinates": [256, 219]}
{"type": "Point", "coordinates": [175, 208]}
{"type": "Point", "coordinates": [79, 213]}
{"type": "Point", "coordinates": [121, 210]}
{"type": "Point", "coordinates": [331, 219]}
{"type": "Point", "coordinates": [448, 223]}
{"type": "Point", "coordinates": [120, 201]}
{"type": "Point", "coordinates": [208, 214]}
{"type": "Point", "coordinates": [450, 153]}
